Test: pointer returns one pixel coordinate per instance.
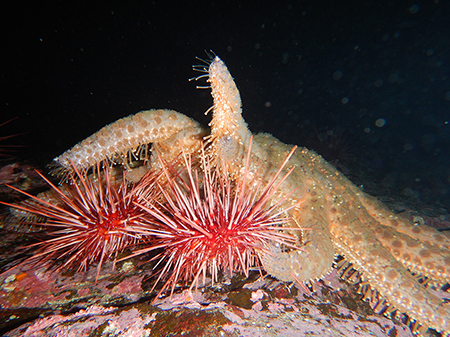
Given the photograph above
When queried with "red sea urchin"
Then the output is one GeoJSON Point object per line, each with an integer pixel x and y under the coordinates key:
{"type": "Point", "coordinates": [89, 221]}
{"type": "Point", "coordinates": [208, 224]}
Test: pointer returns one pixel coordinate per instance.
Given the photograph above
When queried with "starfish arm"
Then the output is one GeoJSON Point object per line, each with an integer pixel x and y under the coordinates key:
{"type": "Point", "coordinates": [125, 137]}
{"type": "Point", "coordinates": [420, 248]}
{"type": "Point", "coordinates": [312, 261]}
{"type": "Point", "coordinates": [230, 135]}
{"type": "Point", "coordinates": [385, 217]}
{"type": "Point", "coordinates": [421, 258]}
{"type": "Point", "coordinates": [387, 275]}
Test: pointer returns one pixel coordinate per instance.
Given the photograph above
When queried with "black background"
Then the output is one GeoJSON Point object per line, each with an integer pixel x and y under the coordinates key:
{"type": "Point", "coordinates": [68, 69]}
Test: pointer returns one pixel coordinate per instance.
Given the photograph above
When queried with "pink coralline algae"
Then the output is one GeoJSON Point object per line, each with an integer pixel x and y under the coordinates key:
{"type": "Point", "coordinates": [26, 287]}
{"type": "Point", "coordinates": [84, 322]}
{"type": "Point", "coordinates": [275, 310]}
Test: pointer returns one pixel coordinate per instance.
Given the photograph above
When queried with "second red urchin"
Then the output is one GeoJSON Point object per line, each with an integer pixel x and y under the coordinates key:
{"type": "Point", "coordinates": [206, 224]}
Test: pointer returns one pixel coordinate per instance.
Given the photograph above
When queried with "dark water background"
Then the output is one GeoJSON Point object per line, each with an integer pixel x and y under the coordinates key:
{"type": "Point", "coordinates": [377, 72]}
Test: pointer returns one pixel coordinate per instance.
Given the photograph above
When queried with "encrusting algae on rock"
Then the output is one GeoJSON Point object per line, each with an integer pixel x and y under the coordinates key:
{"type": "Point", "coordinates": [388, 253]}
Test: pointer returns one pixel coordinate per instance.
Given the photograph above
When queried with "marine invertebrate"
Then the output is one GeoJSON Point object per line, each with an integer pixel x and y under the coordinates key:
{"type": "Point", "coordinates": [390, 252]}
{"type": "Point", "coordinates": [208, 224]}
{"type": "Point", "coordinates": [88, 221]}
{"type": "Point", "coordinates": [129, 138]}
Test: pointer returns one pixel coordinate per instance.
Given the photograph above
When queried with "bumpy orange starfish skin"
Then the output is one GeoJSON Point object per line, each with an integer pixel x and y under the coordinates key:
{"type": "Point", "coordinates": [383, 247]}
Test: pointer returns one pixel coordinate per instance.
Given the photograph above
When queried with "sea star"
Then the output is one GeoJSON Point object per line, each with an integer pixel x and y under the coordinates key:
{"type": "Point", "coordinates": [387, 251]}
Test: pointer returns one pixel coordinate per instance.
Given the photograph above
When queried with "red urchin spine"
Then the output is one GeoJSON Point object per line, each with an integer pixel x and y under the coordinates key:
{"type": "Point", "coordinates": [207, 223]}
{"type": "Point", "coordinates": [4, 149]}
{"type": "Point", "coordinates": [92, 221]}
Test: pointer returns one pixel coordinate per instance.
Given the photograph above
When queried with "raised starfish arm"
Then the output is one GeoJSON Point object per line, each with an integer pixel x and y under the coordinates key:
{"type": "Point", "coordinates": [230, 135]}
